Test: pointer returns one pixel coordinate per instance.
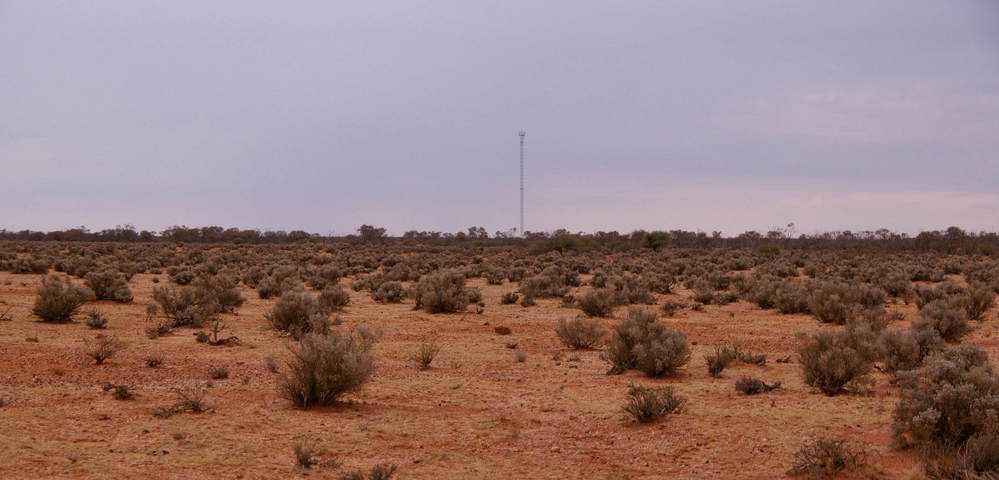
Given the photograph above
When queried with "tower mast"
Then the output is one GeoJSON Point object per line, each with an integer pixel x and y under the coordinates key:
{"type": "Point", "coordinates": [522, 134]}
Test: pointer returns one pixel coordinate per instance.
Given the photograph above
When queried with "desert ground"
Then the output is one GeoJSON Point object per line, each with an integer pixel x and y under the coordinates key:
{"type": "Point", "coordinates": [520, 405]}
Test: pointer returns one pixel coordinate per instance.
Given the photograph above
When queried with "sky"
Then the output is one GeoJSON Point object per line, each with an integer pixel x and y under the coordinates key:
{"type": "Point", "coordinates": [659, 114]}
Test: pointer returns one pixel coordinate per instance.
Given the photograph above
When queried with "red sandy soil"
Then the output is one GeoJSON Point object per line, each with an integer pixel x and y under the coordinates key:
{"type": "Point", "coordinates": [478, 413]}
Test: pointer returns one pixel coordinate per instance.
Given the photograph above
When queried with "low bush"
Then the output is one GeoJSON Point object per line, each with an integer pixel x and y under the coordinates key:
{"type": "Point", "coordinates": [976, 459]}
{"type": "Point", "coordinates": [830, 361]}
{"type": "Point", "coordinates": [952, 397]}
{"type": "Point", "coordinates": [119, 392]}
{"type": "Point", "coordinates": [942, 291]}
{"type": "Point", "coordinates": [218, 372]}
{"type": "Point", "coordinates": [223, 289]}
{"type": "Point", "coordinates": [980, 299]}
{"type": "Point", "coordinates": [308, 456]}
{"type": "Point", "coordinates": [509, 298]}
{"type": "Point", "coordinates": [598, 302]}
{"type": "Point", "coordinates": [947, 317]}
{"type": "Point", "coordinates": [189, 399]}
{"type": "Point", "coordinates": [298, 313]}
{"type": "Point", "coordinates": [425, 355]}
{"type": "Point", "coordinates": [187, 306]}
{"type": "Point", "coordinates": [154, 361]}
{"type": "Point", "coordinates": [826, 457]}
{"type": "Point", "coordinates": [389, 292]}
{"type": "Point", "coordinates": [838, 303]}
{"type": "Point", "coordinates": [899, 350]}
{"type": "Point", "coordinates": [334, 298]}
{"type": "Point", "coordinates": [753, 386]}
{"type": "Point", "coordinates": [548, 284]}
{"type": "Point", "coordinates": [442, 292]}
{"type": "Point", "coordinates": [103, 348]}
{"type": "Point", "coordinates": [383, 471]}
{"type": "Point", "coordinates": [644, 343]}
{"type": "Point", "coordinates": [96, 320]}
{"type": "Point", "coordinates": [646, 404]}
{"type": "Point", "coordinates": [792, 297]}
{"type": "Point", "coordinates": [59, 299]}
{"type": "Point", "coordinates": [322, 368]}
{"type": "Point", "coordinates": [580, 332]}
{"type": "Point", "coordinates": [161, 328]}
{"type": "Point", "coordinates": [724, 356]}
{"type": "Point", "coordinates": [109, 285]}
{"type": "Point", "coordinates": [718, 361]}
{"type": "Point", "coordinates": [671, 308]}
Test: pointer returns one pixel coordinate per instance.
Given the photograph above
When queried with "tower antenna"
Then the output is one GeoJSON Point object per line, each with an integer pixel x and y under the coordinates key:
{"type": "Point", "coordinates": [522, 135]}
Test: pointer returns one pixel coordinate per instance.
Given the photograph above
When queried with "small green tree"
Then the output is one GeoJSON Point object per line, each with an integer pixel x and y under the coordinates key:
{"type": "Point", "coordinates": [655, 240]}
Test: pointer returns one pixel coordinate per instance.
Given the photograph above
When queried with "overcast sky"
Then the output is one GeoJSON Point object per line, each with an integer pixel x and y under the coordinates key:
{"type": "Point", "coordinates": [323, 115]}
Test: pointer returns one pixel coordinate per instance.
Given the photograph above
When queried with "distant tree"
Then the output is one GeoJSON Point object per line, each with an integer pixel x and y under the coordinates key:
{"type": "Point", "coordinates": [298, 235]}
{"type": "Point", "coordinates": [477, 233]}
{"type": "Point", "coordinates": [655, 240]}
{"type": "Point", "coordinates": [371, 233]}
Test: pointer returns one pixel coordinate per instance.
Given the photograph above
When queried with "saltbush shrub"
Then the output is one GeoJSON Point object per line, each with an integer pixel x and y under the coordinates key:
{"type": "Point", "coordinates": [389, 292]}
{"type": "Point", "coordinates": [298, 313]}
{"type": "Point", "coordinates": [109, 285]}
{"type": "Point", "coordinates": [953, 396]}
{"type": "Point", "coordinates": [644, 343]}
{"type": "Point", "coordinates": [333, 298]}
{"type": "Point", "coordinates": [826, 457]}
{"type": "Point", "coordinates": [187, 306]}
{"type": "Point", "coordinates": [322, 368]}
{"type": "Point", "coordinates": [946, 316]}
{"type": "Point", "coordinates": [646, 404]}
{"type": "Point", "coordinates": [59, 299]}
{"type": "Point", "coordinates": [830, 360]}
{"type": "Point", "coordinates": [598, 302]}
{"type": "Point", "coordinates": [580, 332]}
{"type": "Point", "coordinates": [441, 292]}
{"type": "Point", "coordinates": [754, 386]}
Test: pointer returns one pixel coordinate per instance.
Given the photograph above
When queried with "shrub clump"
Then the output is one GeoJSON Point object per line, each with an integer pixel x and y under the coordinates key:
{"type": "Point", "coordinates": [580, 332]}
{"type": "Point", "coordinates": [298, 313]}
{"type": "Point", "coordinates": [187, 306]}
{"type": "Point", "coordinates": [119, 391]}
{"type": "Point", "coordinates": [334, 298]}
{"type": "Point", "coordinates": [724, 356]}
{"type": "Point", "coordinates": [59, 299]}
{"type": "Point", "coordinates": [103, 347]}
{"type": "Point", "coordinates": [753, 386]}
{"type": "Point", "coordinates": [830, 360]}
{"type": "Point", "coordinates": [835, 302]}
{"type": "Point", "coordinates": [96, 320]}
{"type": "Point", "coordinates": [644, 343]}
{"type": "Point", "coordinates": [389, 292]}
{"type": "Point", "coordinates": [646, 404]}
{"type": "Point", "coordinates": [599, 302]}
{"type": "Point", "coordinates": [946, 317]}
{"type": "Point", "coordinates": [954, 396]}
{"type": "Point", "coordinates": [425, 355]}
{"type": "Point", "coordinates": [308, 456]}
{"type": "Point", "coordinates": [382, 471]}
{"type": "Point", "coordinates": [109, 285]}
{"type": "Point", "coordinates": [825, 457]}
{"type": "Point", "coordinates": [442, 292]}
{"type": "Point", "coordinates": [980, 299]}
{"type": "Point", "coordinates": [190, 399]}
{"type": "Point", "coordinates": [322, 368]}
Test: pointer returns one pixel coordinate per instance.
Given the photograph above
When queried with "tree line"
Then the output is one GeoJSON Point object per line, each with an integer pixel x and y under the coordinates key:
{"type": "Point", "coordinates": [950, 240]}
